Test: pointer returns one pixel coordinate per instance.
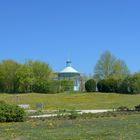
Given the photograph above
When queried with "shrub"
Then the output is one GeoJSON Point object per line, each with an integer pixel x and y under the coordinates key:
{"type": "Point", "coordinates": [41, 86]}
{"type": "Point", "coordinates": [131, 84]}
{"type": "Point", "coordinates": [108, 85]}
{"type": "Point", "coordinates": [137, 108]}
{"type": "Point", "coordinates": [135, 83]}
{"type": "Point", "coordinates": [54, 86]}
{"type": "Point", "coordinates": [73, 115]}
{"type": "Point", "coordinates": [124, 86]}
{"type": "Point", "coordinates": [123, 108]}
{"type": "Point", "coordinates": [67, 85]}
{"type": "Point", "coordinates": [90, 86]}
{"type": "Point", "coordinates": [11, 113]}
{"type": "Point", "coordinates": [101, 85]}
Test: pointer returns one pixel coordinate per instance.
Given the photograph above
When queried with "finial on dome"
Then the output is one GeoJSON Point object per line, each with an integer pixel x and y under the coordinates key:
{"type": "Point", "coordinates": [68, 63]}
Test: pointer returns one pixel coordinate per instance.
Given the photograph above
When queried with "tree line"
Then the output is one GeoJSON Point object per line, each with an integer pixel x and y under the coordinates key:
{"type": "Point", "coordinates": [32, 76]}
{"type": "Point", "coordinates": [112, 75]}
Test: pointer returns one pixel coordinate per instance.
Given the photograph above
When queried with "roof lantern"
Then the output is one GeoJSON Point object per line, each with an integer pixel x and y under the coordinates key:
{"type": "Point", "coordinates": [69, 68]}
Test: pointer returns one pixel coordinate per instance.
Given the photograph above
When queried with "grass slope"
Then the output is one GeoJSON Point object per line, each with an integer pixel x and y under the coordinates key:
{"type": "Point", "coordinates": [119, 128]}
{"type": "Point", "coordinates": [74, 100]}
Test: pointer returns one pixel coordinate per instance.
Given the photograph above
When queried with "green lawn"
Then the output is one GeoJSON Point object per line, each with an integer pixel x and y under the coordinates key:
{"type": "Point", "coordinates": [113, 128]}
{"type": "Point", "coordinates": [74, 100]}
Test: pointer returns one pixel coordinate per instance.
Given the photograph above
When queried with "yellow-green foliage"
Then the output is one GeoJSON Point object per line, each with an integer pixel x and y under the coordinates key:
{"type": "Point", "coordinates": [67, 85]}
{"type": "Point", "coordinates": [11, 113]}
{"type": "Point", "coordinates": [73, 100]}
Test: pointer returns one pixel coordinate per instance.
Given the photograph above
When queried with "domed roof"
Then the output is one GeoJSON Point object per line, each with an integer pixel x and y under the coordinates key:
{"type": "Point", "coordinates": [69, 68]}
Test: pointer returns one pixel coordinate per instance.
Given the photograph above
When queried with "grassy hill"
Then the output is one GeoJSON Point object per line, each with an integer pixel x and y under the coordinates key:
{"type": "Point", "coordinates": [73, 100]}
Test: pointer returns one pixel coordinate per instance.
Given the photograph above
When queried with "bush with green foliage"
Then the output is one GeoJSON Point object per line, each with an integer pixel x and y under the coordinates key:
{"type": "Point", "coordinates": [90, 85]}
{"type": "Point", "coordinates": [54, 86]}
{"type": "Point", "coordinates": [137, 108]}
{"type": "Point", "coordinates": [57, 86]}
{"type": "Point", "coordinates": [67, 85]}
{"type": "Point", "coordinates": [128, 85]}
{"type": "Point", "coordinates": [131, 84]}
{"type": "Point", "coordinates": [47, 86]}
{"type": "Point", "coordinates": [135, 83]}
{"type": "Point", "coordinates": [101, 85]}
{"type": "Point", "coordinates": [124, 86]}
{"type": "Point", "coordinates": [123, 108]}
{"type": "Point", "coordinates": [73, 115]}
{"type": "Point", "coordinates": [41, 86]}
{"type": "Point", "coordinates": [11, 113]}
{"type": "Point", "coordinates": [108, 85]}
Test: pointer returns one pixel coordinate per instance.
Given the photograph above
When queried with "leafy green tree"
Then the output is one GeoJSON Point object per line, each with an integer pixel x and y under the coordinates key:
{"type": "Point", "coordinates": [1, 79]}
{"type": "Point", "coordinates": [41, 70]}
{"type": "Point", "coordinates": [33, 75]}
{"type": "Point", "coordinates": [134, 84]}
{"type": "Point", "coordinates": [121, 70]}
{"type": "Point", "coordinates": [25, 78]}
{"type": "Point", "coordinates": [131, 84]}
{"type": "Point", "coordinates": [108, 66]}
{"type": "Point", "coordinates": [8, 79]}
{"type": "Point", "coordinates": [105, 65]}
{"type": "Point", "coordinates": [42, 74]}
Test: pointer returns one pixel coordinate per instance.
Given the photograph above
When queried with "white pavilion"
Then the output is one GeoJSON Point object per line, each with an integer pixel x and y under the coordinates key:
{"type": "Point", "coordinates": [69, 73]}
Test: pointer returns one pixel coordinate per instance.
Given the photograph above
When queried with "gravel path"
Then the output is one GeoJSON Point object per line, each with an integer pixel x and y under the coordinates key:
{"type": "Point", "coordinates": [78, 111]}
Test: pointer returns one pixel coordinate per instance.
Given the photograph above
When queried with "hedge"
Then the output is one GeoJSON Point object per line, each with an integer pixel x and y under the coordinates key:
{"type": "Point", "coordinates": [11, 113]}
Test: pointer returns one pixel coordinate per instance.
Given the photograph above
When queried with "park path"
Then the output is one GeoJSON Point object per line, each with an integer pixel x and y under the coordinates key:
{"type": "Point", "coordinates": [78, 111]}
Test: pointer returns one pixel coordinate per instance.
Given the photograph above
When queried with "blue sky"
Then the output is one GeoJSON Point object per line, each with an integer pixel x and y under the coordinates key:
{"type": "Point", "coordinates": [54, 30]}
